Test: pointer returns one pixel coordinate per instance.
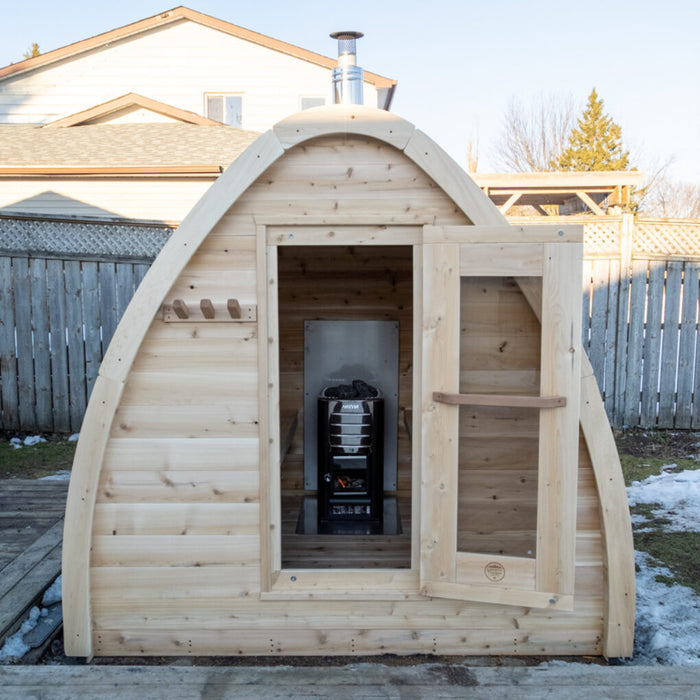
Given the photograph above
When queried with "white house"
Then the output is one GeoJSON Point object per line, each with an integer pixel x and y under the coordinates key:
{"type": "Point", "coordinates": [139, 121]}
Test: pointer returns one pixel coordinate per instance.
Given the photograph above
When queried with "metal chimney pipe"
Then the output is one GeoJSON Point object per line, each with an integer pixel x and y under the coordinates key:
{"type": "Point", "coordinates": [348, 78]}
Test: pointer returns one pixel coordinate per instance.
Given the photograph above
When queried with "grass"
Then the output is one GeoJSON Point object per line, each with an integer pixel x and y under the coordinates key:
{"type": "Point", "coordinates": [677, 551]}
{"type": "Point", "coordinates": [636, 468]}
{"type": "Point", "coordinates": [36, 461]}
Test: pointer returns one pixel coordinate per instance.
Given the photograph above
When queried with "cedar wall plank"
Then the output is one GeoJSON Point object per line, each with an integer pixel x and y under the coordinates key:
{"type": "Point", "coordinates": [176, 519]}
{"type": "Point", "coordinates": [191, 467]}
{"type": "Point", "coordinates": [498, 448]}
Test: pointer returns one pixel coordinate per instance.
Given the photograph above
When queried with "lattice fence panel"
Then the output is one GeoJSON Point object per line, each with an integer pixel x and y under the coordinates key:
{"type": "Point", "coordinates": [666, 238]}
{"type": "Point", "coordinates": [601, 237]}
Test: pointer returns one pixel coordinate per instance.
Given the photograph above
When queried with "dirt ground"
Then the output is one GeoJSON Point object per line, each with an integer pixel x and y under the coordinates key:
{"type": "Point", "coordinates": [658, 443]}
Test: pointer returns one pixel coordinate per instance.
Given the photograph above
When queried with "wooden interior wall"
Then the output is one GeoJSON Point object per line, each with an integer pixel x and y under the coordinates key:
{"type": "Point", "coordinates": [498, 447]}
{"type": "Point", "coordinates": [176, 541]}
{"type": "Point", "coordinates": [345, 283]}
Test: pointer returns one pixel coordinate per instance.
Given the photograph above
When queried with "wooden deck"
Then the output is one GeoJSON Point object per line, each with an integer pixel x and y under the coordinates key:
{"type": "Point", "coordinates": [356, 680]}
{"type": "Point", "coordinates": [31, 532]}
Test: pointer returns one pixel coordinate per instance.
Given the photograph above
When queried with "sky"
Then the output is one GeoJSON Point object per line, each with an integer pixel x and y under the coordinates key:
{"type": "Point", "coordinates": [460, 63]}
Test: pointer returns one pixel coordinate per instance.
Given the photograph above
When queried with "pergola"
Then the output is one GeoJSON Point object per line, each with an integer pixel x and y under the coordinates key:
{"type": "Point", "coordinates": [541, 189]}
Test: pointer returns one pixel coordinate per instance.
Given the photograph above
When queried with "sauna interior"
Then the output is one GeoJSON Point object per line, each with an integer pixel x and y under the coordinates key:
{"type": "Point", "coordinates": [342, 283]}
{"type": "Point", "coordinates": [498, 446]}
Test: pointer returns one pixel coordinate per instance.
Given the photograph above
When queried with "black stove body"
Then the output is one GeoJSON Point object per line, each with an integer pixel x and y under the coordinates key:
{"type": "Point", "coordinates": [350, 454]}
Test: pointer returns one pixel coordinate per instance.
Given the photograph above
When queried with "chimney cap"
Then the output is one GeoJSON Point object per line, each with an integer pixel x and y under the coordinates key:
{"type": "Point", "coordinates": [347, 35]}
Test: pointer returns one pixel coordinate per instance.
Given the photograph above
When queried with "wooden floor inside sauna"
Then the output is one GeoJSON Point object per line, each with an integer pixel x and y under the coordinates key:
{"type": "Point", "coordinates": [320, 551]}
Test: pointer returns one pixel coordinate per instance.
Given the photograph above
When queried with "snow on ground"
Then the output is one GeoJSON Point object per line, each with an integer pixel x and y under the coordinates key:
{"type": "Point", "coordinates": [678, 495]}
{"type": "Point", "coordinates": [15, 646]}
{"type": "Point", "coordinates": [60, 475]}
{"type": "Point", "coordinates": [18, 443]}
{"type": "Point", "coordinates": [668, 617]}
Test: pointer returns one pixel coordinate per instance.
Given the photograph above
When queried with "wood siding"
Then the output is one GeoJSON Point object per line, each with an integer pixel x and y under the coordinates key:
{"type": "Point", "coordinates": [174, 65]}
{"type": "Point", "coordinates": [153, 199]}
{"type": "Point", "coordinates": [498, 447]}
{"type": "Point", "coordinates": [175, 563]}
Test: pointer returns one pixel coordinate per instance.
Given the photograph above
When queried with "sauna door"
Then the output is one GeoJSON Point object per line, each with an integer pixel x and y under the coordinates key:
{"type": "Point", "coordinates": [540, 266]}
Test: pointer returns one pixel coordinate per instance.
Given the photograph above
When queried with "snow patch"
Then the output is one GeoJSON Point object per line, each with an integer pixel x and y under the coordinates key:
{"type": "Point", "coordinates": [667, 620]}
{"type": "Point", "coordinates": [678, 496]}
{"type": "Point", "coordinates": [14, 647]}
{"type": "Point", "coordinates": [667, 626]}
{"type": "Point", "coordinates": [53, 593]}
{"type": "Point", "coordinates": [33, 440]}
{"type": "Point", "coordinates": [60, 475]}
{"type": "Point", "coordinates": [29, 441]}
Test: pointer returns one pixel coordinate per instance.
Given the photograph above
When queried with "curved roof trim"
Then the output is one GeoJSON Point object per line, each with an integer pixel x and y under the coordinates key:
{"type": "Point", "coordinates": [174, 15]}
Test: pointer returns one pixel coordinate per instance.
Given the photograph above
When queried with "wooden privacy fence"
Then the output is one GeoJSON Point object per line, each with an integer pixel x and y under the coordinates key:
{"type": "Point", "coordinates": [64, 284]}
{"type": "Point", "coordinates": [640, 302]}
{"type": "Point", "coordinates": [640, 318]}
{"type": "Point", "coordinates": [65, 313]}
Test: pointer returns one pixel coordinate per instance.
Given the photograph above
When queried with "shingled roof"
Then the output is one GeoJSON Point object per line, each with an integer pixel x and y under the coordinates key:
{"type": "Point", "coordinates": [150, 148]}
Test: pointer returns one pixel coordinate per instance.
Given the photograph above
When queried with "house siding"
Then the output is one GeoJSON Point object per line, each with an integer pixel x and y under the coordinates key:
{"type": "Point", "coordinates": [175, 64]}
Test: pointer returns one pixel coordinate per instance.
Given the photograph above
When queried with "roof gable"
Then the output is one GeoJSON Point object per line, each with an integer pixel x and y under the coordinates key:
{"type": "Point", "coordinates": [106, 111]}
{"type": "Point", "coordinates": [176, 15]}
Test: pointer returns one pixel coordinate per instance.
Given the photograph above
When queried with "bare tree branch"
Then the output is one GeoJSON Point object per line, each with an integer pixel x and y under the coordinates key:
{"type": "Point", "coordinates": [534, 135]}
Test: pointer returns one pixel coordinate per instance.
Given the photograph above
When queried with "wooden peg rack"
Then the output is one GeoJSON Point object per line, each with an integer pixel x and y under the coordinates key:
{"type": "Point", "coordinates": [208, 311]}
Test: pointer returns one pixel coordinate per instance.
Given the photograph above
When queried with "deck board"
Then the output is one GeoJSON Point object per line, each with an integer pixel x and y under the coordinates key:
{"type": "Point", "coordinates": [31, 531]}
{"type": "Point", "coordinates": [367, 680]}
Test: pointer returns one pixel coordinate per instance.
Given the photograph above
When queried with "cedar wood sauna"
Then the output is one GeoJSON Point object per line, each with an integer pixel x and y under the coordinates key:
{"type": "Point", "coordinates": [514, 537]}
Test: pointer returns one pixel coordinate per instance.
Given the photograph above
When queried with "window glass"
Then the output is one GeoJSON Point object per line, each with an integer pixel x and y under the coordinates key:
{"type": "Point", "coordinates": [227, 109]}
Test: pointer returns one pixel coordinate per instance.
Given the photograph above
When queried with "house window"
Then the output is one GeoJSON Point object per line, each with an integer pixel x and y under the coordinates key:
{"type": "Point", "coordinates": [309, 102]}
{"type": "Point", "coordinates": [227, 109]}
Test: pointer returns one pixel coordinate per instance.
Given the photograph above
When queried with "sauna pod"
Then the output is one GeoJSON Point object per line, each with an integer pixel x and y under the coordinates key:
{"type": "Point", "coordinates": [190, 525]}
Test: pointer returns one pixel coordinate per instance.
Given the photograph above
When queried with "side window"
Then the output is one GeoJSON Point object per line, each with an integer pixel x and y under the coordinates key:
{"type": "Point", "coordinates": [227, 109]}
{"type": "Point", "coordinates": [309, 102]}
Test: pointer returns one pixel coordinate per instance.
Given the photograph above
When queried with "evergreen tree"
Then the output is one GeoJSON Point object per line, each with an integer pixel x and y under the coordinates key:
{"type": "Point", "coordinates": [596, 144]}
{"type": "Point", "coordinates": [33, 51]}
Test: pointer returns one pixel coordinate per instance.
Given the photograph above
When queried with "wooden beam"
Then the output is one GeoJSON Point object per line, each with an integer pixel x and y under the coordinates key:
{"type": "Point", "coordinates": [499, 595]}
{"type": "Point", "coordinates": [586, 199]}
{"type": "Point", "coordinates": [347, 235]}
{"type": "Point", "coordinates": [510, 202]}
{"type": "Point", "coordinates": [505, 234]}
